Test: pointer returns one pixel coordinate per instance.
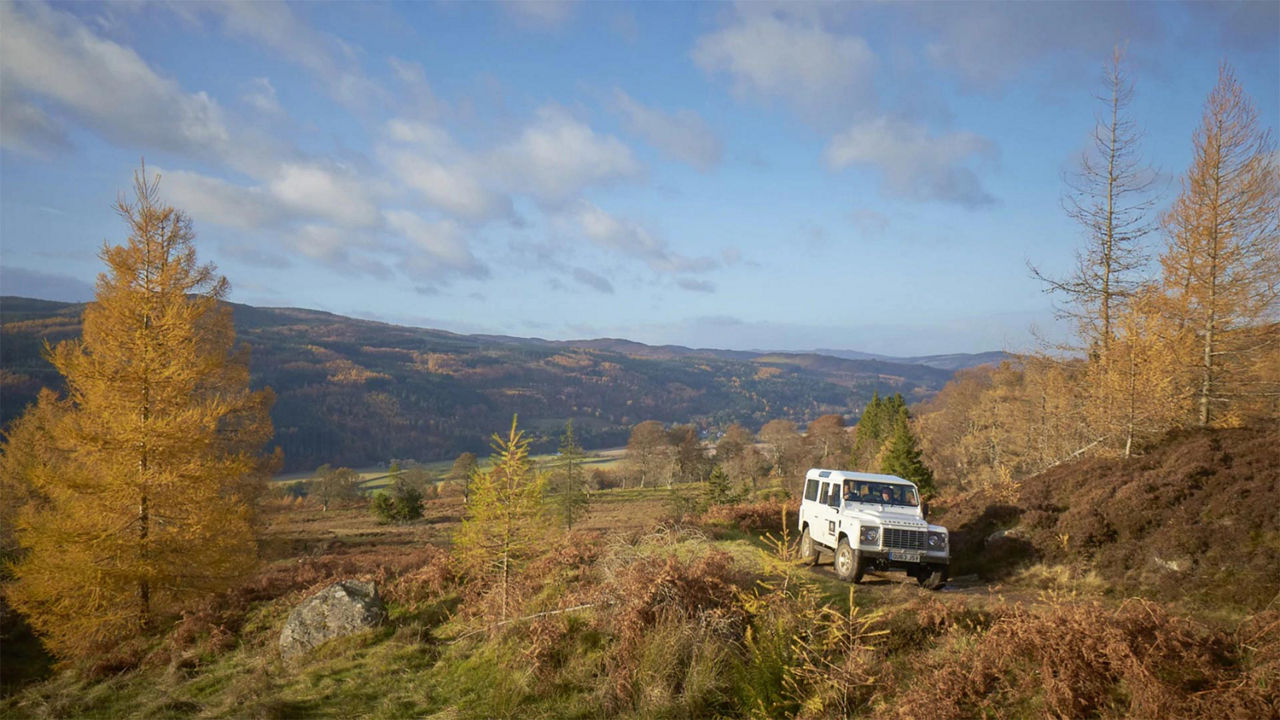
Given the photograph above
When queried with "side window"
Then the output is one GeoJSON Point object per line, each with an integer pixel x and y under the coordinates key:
{"type": "Point", "coordinates": [834, 499]}
{"type": "Point", "coordinates": [825, 488]}
{"type": "Point", "coordinates": [811, 490]}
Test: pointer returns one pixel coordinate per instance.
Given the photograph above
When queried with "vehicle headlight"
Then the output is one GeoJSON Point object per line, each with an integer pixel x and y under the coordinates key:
{"type": "Point", "coordinates": [869, 535]}
{"type": "Point", "coordinates": [938, 540]}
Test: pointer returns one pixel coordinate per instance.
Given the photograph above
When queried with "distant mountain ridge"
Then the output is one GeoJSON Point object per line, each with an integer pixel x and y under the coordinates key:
{"type": "Point", "coordinates": [952, 361]}
{"type": "Point", "coordinates": [356, 392]}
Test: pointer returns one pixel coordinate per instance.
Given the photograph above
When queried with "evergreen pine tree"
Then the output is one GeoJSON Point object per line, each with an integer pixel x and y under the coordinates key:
{"type": "Point", "coordinates": [902, 455]}
{"type": "Point", "coordinates": [569, 485]}
{"type": "Point", "coordinates": [873, 428]}
{"type": "Point", "coordinates": [719, 487]}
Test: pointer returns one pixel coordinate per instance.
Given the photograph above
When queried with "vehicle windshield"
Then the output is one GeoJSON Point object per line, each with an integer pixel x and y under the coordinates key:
{"type": "Point", "coordinates": [880, 493]}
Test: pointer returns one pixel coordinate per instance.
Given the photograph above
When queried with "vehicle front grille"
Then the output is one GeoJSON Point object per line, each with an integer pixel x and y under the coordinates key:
{"type": "Point", "coordinates": [904, 539]}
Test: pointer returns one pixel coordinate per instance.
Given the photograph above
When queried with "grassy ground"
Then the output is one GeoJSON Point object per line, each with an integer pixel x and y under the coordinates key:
{"type": "Point", "coordinates": [702, 621]}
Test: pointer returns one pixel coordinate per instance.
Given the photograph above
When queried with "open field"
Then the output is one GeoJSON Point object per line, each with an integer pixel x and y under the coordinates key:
{"type": "Point", "coordinates": [375, 477]}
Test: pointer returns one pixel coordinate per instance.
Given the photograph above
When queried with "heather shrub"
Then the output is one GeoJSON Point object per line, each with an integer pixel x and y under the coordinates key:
{"type": "Point", "coordinates": [1084, 660]}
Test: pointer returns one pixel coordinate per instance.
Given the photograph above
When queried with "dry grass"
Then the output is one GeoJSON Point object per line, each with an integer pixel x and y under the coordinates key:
{"type": "Point", "coordinates": [1194, 521]}
{"type": "Point", "coordinates": [1078, 660]}
{"type": "Point", "coordinates": [767, 516]}
{"type": "Point", "coordinates": [667, 621]}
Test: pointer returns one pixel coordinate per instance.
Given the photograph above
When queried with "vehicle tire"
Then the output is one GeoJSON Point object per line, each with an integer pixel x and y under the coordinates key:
{"type": "Point", "coordinates": [932, 577]}
{"type": "Point", "coordinates": [808, 548]}
{"type": "Point", "coordinates": [849, 567]}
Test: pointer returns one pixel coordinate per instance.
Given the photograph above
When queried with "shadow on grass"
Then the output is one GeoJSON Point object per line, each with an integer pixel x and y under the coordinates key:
{"type": "Point", "coordinates": [982, 543]}
{"type": "Point", "coordinates": [23, 658]}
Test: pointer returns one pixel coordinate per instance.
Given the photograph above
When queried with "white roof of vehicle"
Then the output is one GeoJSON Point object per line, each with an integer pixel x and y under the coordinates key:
{"type": "Point", "coordinates": [851, 475]}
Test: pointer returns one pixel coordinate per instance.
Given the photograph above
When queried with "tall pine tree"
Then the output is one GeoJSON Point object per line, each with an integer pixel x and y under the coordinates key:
{"type": "Point", "coordinates": [157, 446]}
{"type": "Point", "coordinates": [902, 455]}
{"type": "Point", "coordinates": [874, 427]}
{"type": "Point", "coordinates": [569, 484]}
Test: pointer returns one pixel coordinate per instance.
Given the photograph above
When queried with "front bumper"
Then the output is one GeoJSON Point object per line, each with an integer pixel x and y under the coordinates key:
{"type": "Point", "coordinates": [882, 556]}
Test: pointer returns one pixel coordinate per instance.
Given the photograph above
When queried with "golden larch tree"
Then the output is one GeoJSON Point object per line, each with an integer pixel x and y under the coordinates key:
{"type": "Point", "coordinates": [157, 446]}
{"type": "Point", "coordinates": [1221, 268]}
{"type": "Point", "coordinates": [1110, 197]}
{"type": "Point", "coordinates": [1136, 388]}
{"type": "Point", "coordinates": [506, 522]}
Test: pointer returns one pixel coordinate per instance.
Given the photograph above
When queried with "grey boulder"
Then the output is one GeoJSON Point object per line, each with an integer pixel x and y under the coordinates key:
{"type": "Point", "coordinates": [343, 608]}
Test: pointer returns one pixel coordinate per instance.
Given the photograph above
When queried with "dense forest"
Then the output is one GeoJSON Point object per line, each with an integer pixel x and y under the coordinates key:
{"type": "Point", "coordinates": [355, 392]}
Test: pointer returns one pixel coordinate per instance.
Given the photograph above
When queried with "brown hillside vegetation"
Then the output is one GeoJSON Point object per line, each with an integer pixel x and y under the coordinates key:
{"type": "Point", "coordinates": [1197, 518]}
{"type": "Point", "coordinates": [1086, 660]}
{"type": "Point", "coordinates": [656, 621]}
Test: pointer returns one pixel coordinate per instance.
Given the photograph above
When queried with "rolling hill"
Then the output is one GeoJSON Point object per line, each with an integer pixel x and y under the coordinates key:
{"type": "Point", "coordinates": [357, 392]}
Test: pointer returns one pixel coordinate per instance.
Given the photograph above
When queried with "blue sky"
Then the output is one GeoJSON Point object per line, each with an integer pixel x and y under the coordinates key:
{"type": "Point", "coordinates": [774, 176]}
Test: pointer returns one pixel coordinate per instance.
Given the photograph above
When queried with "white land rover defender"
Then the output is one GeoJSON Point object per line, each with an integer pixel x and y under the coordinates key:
{"type": "Point", "coordinates": [871, 522]}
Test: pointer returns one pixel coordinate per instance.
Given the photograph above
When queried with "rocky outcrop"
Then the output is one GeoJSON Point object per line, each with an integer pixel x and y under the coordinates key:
{"type": "Point", "coordinates": [341, 609]}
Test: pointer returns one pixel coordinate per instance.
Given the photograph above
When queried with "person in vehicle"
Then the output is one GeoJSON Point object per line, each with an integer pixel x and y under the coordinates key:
{"type": "Point", "coordinates": [885, 497]}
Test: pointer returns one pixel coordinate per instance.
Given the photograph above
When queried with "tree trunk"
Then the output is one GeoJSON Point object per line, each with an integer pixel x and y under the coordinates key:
{"type": "Point", "coordinates": [144, 587]}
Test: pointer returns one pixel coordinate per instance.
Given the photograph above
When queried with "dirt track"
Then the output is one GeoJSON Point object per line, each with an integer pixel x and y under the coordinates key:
{"type": "Point", "coordinates": [882, 582]}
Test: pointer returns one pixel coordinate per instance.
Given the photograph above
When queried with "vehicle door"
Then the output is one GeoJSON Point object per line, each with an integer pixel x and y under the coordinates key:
{"type": "Point", "coordinates": [828, 513]}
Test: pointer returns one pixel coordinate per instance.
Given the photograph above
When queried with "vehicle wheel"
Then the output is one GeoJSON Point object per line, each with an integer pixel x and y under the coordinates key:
{"type": "Point", "coordinates": [808, 548]}
{"type": "Point", "coordinates": [848, 562]}
{"type": "Point", "coordinates": [932, 577]}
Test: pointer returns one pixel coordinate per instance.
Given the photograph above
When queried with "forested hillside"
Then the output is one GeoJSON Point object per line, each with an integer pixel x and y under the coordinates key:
{"type": "Point", "coordinates": [356, 392]}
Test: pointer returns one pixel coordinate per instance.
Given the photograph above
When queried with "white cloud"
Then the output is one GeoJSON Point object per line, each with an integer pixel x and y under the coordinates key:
{"type": "Point", "coordinates": [261, 96]}
{"type": "Point", "coordinates": [210, 199]}
{"type": "Point", "coordinates": [682, 134]}
{"type": "Point", "coordinates": [325, 242]}
{"type": "Point", "coordinates": [790, 58]}
{"type": "Point", "coordinates": [26, 127]}
{"type": "Point", "coordinates": [452, 189]}
{"type": "Point", "coordinates": [430, 138]}
{"type": "Point", "coordinates": [325, 192]}
{"type": "Point", "coordinates": [437, 248]}
{"type": "Point", "coordinates": [633, 240]}
{"type": "Point", "coordinates": [914, 163]}
{"type": "Point", "coordinates": [556, 156]}
{"type": "Point", "coordinates": [352, 235]}
{"type": "Point", "coordinates": [52, 55]}
{"type": "Point", "coordinates": [298, 194]}
{"type": "Point", "coordinates": [415, 91]}
{"type": "Point", "coordinates": [551, 160]}
{"type": "Point", "coordinates": [425, 158]}
{"type": "Point", "coordinates": [988, 44]}
{"type": "Point", "coordinates": [274, 25]}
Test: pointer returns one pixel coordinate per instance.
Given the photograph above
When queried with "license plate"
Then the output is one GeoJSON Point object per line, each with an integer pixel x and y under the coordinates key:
{"type": "Point", "coordinates": [904, 556]}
